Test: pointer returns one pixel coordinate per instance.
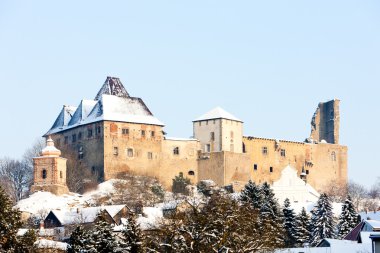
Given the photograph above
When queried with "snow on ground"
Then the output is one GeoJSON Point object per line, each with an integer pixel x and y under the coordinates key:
{"type": "Point", "coordinates": [152, 216]}
{"type": "Point", "coordinates": [41, 203]}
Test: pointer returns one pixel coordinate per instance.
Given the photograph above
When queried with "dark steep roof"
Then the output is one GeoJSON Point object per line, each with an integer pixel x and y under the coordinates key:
{"type": "Point", "coordinates": [112, 86]}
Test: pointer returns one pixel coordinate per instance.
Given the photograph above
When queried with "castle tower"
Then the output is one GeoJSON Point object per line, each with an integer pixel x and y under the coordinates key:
{"type": "Point", "coordinates": [219, 131]}
{"type": "Point", "coordinates": [325, 122]}
{"type": "Point", "coordinates": [50, 171]}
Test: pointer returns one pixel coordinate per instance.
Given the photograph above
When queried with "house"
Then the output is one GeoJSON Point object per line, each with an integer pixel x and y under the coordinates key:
{"type": "Point", "coordinates": [363, 230]}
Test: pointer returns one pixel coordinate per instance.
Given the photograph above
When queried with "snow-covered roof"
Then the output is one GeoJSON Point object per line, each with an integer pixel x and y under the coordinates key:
{"type": "Point", "coordinates": [152, 216]}
{"type": "Point", "coordinates": [370, 215]}
{"type": "Point", "coordinates": [217, 113]}
{"type": "Point", "coordinates": [49, 244]}
{"type": "Point", "coordinates": [84, 215]}
{"type": "Point", "coordinates": [112, 103]}
{"type": "Point", "coordinates": [375, 224]}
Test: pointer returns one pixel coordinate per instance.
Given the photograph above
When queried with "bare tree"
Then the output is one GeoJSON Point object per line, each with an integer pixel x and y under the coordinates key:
{"type": "Point", "coordinates": [374, 191]}
{"type": "Point", "coordinates": [358, 194]}
{"type": "Point", "coordinates": [336, 190]}
{"type": "Point", "coordinates": [16, 176]}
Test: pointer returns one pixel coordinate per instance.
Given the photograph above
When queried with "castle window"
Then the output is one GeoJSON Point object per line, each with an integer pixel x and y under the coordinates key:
{"type": "Point", "coordinates": [93, 171]}
{"type": "Point", "coordinates": [208, 148]}
{"type": "Point", "coordinates": [115, 151]}
{"type": "Point", "coordinates": [152, 134]}
{"type": "Point", "coordinates": [255, 167]}
{"type": "Point", "coordinates": [264, 150]}
{"type": "Point", "coordinates": [44, 174]}
{"type": "Point", "coordinates": [125, 131]}
{"type": "Point", "coordinates": [80, 153]}
{"type": "Point", "coordinates": [130, 152]}
{"type": "Point", "coordinates": [66, 139]}
{"type": "Point", "coordinates": [176, 151]}
{"type": "Point", "coordinates": [270, 169]}
{"type": "Point", "coordinates": [143, 133]}
{"type": "Point", "coordinates": [150, 155]}
{"type": "Point", "coordinates": [89, 132]}
{"type": "Point", "coordinates": [80, 136]}
{"type": "Point", "coordinates": [333, 156]}
{"type": "Point", "coordinates": [60, 174]}
{"type": "Point", "coordinates": [307, 172]}
{"type": "Point", "coordinates": [98, 130]}
{"type": "Point", "coordinates": [191, 173]}
{"type": "Point", "coordinates": [283, 152]}
{"type": "Point", "coordinates": [74, 138]}
{"type": "Point", "coordinates": [212, 136]}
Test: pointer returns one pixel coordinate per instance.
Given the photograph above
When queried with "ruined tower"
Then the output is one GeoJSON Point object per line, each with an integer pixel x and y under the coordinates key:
{"type": "Point", "coordinates": [50, 171]}
{"type": "Point", "coordinates": [325, 122]}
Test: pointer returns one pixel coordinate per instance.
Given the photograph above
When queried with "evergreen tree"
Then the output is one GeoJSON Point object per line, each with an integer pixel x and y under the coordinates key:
{"type": "Point", "coordinates": [132, 237]}
{"type": "Point", "coordinates": [101, 238]}
{"type": "Point", "coordinates": [77, 240]}
{"type": "Point", "coordinates": [271, 218]}
{"type": "Point", "coordinates": [26, 242]}
{"type": "Point", "coordinates": [302, 229]}
{"type": "Point", "coordinates": [289, 224]}
{"type": "Point", "coordinates": [252, 194]}
{"type": "Point", "coordinates": [322, 220]}
{"type": "Point", "coordinates": [10, 222]}
{"type": "Point", "coordinates": [347, 219]}
{"type": "Point", "coordinates": [180, 183]}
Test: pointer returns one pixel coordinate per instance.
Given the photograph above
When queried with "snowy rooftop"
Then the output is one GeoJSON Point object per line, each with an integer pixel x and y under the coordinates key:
{"type": "Point", "coordinates": [112, 103]}
{"type": "Point", "coordinates": [217, 113]}
{"type": "Point", "coordinates": [48, 244]}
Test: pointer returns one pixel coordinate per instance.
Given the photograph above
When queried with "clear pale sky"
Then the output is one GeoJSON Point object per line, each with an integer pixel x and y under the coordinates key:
{"type": "Point", "coordinates": [267, 62]}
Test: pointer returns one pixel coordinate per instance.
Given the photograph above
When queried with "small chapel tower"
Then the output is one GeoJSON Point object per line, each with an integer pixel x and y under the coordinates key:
{"type": "Point", "coordinates": [50, 170]}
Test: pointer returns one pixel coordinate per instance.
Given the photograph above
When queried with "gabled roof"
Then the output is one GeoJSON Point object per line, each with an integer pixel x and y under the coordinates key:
{"type": "Point", "coordinates": [64, 116]}
{"type": "Point", "coordinates": [217, 113]}
{"type": "Point", "coordinates": [112, 86]}
{"type": "Point", "coordinates": [83, 110]}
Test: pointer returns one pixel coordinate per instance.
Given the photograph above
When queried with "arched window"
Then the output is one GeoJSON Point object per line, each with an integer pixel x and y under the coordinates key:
{"type": "Point", "coordinates": [44, 174]}
{"type": "Point", "coordinates": [176, 151]}
{"type": "Point", "coordinates": [333, 156]}
{"type": "Point", "coordinates": [191, 173]}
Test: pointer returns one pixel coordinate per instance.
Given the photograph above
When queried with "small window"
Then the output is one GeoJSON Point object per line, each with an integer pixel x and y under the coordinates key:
{"type": "Point", "coordinates": [44, 174]}
{"type": "Point", "coordinates": [93, 170]}
{"type": "Point", "coordinates": [143, 133]}
{"type": "Point", "coordinates": [176, 151]}
{"type": "Point", "coordinates": [255, 167]}
{"type": "Point", "coordinates": [333, 156]}
{"type": "Point", "coordinates": [283, 152]}
{"type": "Point", "coordinates": [80, 136]}
{"type": "Point", "coordinates": [307, 172]}
{"type": "Point", "coordinates": [89, 132]}
{"type": "Point", "coordinates": [60, 174]}
{"type": "Point", "coordinates": [125, 131]}
{"type": "Point", "coordinates": [66, 139]}
{"type": "Point", "coordinates": [74, 138]}
{"type": "Point", "coordinates": [212, 136]}
{"type": "Point", "coordinates": [191, 173]}
{"type": "Point", "coordinates": [98, 130]}
{"type": "Point", "coordinates": [208, 148]}
{"type": "Point", "coordinates": [270, 169]}
{"type": "Point", "coordinates": [152, 133]}
{"type": "Point", "coordinates": [150, 155]}
{"type": "Point", "coordinates": [265, 150]}
{"type": "Point", "coordinates": [130, 152]}
{"type": "Point", "coordinates": [80, 153]}
{"type": "Point", "coordinates": [115, 151]}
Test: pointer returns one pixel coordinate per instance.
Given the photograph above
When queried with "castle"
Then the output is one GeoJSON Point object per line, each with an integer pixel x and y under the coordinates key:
{"type": "Point", "coordinates": [116, 133]}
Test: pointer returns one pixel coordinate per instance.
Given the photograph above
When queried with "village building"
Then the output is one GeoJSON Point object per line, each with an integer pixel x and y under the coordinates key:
{"type": "Point", "coordinates": [115, 133]}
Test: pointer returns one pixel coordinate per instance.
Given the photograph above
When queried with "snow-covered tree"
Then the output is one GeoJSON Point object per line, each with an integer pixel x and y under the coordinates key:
{"type": "Point", "coordinates": [252, 194]}
{"type": "Point", "coordinates": [289, 224]}
{"type": "Point", "coordinates": [347, 219]}
{"type": "Point", "coordinates": [302, 229]}
{"type": "Point", "coordinates": [179, 184]}
{"type": "Point", "coordinates": [101, 237]}
{"type": "Point", "coordinates": [77, 241]}
{"type": "Point", "coordinates": [10, 222]}
{"type": "Point", "coordinates": [132, 237]}
{"type": "Point", "coordinates": [322, 220]}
